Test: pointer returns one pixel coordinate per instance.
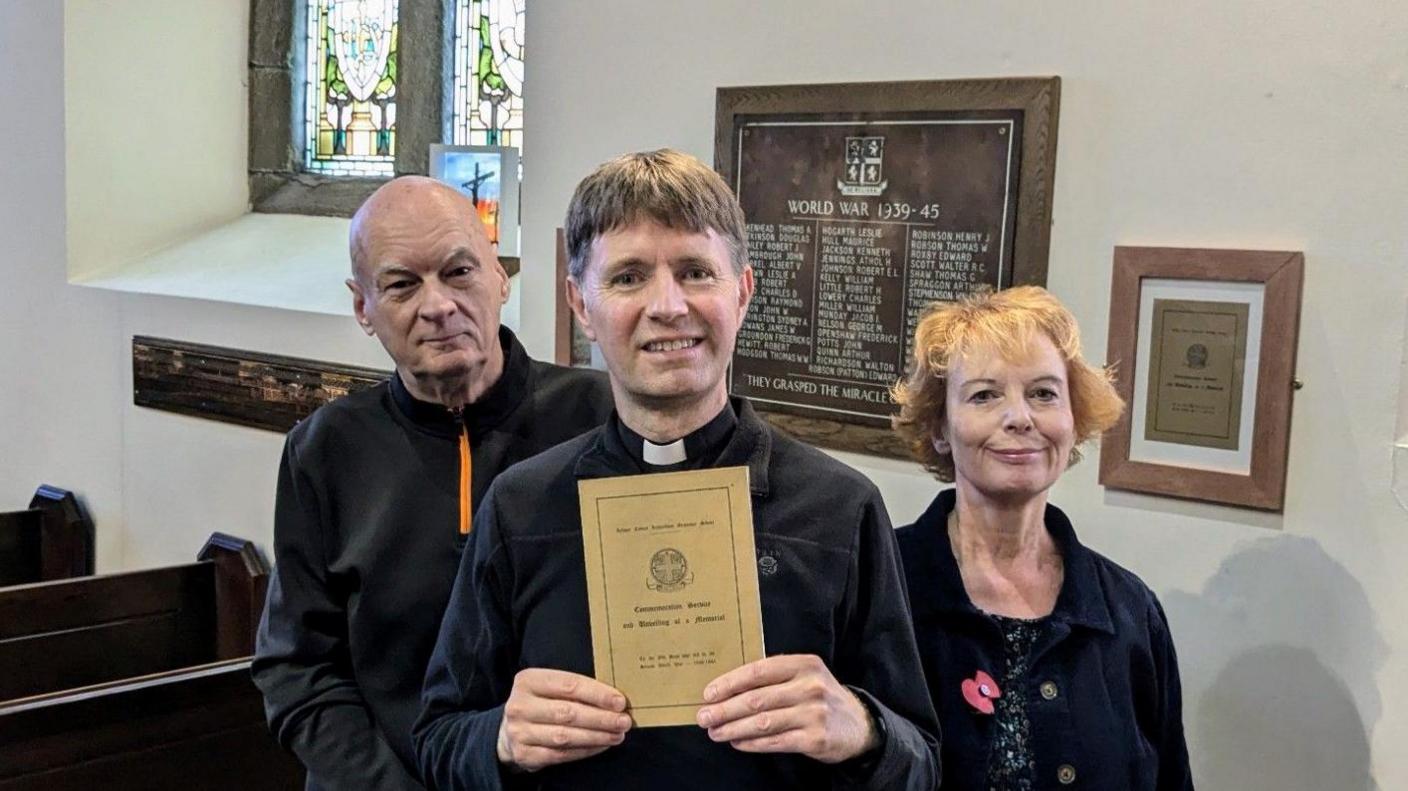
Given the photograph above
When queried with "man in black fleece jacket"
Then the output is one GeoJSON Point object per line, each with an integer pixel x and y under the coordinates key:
{"type": "Point", "coordinates": [376, 490]}
{"type": "Point", "coordinates": [658, 278]}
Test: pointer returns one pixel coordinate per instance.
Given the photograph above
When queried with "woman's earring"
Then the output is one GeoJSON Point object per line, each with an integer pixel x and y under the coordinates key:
{"type": "Point", "coordinates": [941, 445]}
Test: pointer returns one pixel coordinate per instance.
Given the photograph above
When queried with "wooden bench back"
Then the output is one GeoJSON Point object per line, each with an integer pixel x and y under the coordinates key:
{"type": "Point", "coordinates": [200, 727]}
{"type": "Point", "coordinates": [57, 635]}
{"type": "Point", "coordinates": [50, 540]}
{"type": "Point", "coordinates": [20, 556]}
{"type": "Point", "coordinates": [72, 633]}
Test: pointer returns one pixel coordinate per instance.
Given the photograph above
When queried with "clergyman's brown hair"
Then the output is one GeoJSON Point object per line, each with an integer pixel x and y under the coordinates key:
{"type": "Point", "coordinates": [673, 189]}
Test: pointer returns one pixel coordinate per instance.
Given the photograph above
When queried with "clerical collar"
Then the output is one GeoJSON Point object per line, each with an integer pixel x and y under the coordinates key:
{"type": "Point", "coordinates": [661, 455]}
{"type": "Point", "coordinates": [695, 449]}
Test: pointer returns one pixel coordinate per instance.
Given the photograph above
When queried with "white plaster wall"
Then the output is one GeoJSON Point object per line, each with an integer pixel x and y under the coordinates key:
{"type": "Point", "coordinates": [187, 477]}
{"type": "Point", "coordinates": [170, 176]}
{"type": "Point", "coordinates": [156, 113]}
{"type": "Point", "coordinates": [60, 417]}
{"type": "Point", "coordinates": [156, 157]}
{"type": "Point", "coordinates": [156, 145]}
{"type": "Point", "coordinates": [1277, 125]}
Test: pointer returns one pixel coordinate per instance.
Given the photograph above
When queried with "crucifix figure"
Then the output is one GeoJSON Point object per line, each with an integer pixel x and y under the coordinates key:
{"type": "Point", "coordinates": [473, 184]}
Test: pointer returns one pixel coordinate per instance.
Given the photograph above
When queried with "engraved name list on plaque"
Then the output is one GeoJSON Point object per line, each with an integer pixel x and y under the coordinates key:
{"type": "Point", "coordinates": [857, 223]}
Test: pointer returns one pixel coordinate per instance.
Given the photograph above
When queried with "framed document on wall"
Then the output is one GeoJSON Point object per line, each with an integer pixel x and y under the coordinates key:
{"type": "Point", "coordinates": [487, 175]}
{"type": "Point", "coordinates": [1203, 343]}
{"type": "Point", "coordinates": [866, 203]}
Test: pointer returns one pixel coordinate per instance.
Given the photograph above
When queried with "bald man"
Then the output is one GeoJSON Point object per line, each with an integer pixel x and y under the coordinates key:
{"type": "Point", "coordinates": [377, 490]}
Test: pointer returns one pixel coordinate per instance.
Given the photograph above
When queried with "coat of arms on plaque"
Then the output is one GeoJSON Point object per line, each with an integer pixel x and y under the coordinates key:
{"type": "Point", "coordinates": [863, 167]}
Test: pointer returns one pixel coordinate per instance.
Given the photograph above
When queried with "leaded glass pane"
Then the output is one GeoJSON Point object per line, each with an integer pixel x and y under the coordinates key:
{"type": "Point", "coordinates": [351, 87]}
{"type": "Point", "coordinates": [488, 97]}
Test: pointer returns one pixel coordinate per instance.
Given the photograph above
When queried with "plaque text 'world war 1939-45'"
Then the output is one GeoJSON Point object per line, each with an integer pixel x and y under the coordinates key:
{"type": "Point", "coordinates": [855, 227]}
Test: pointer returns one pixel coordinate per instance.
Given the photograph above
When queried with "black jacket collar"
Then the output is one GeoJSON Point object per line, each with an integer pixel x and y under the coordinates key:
{"type": "Point", "coordinates": [702, 446]}
{"type": "Point", "coordinates": [1081, 601]}
{"type": "Point", "coordinates": [501, 400]}
{"type": "Point", "coordinates": [750, 446]}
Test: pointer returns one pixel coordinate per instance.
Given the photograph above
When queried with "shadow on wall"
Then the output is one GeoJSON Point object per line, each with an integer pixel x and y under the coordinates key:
{"type": "Point", "coordinates": [1279, 657]}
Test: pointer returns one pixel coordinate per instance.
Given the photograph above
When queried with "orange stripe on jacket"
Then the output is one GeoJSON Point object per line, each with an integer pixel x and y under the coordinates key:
{"type": "Point", "coordinates": [466, 468]}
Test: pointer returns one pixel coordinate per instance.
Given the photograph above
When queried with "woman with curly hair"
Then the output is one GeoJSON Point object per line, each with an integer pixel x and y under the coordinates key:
{"type": "Point", "coordinates": [1050, 666]}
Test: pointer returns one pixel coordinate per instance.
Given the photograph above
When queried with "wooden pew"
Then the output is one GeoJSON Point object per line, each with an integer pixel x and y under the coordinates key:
{"type": "Point", "coordinates": [72, 633]}
{"type": "Point", "coordinates": [139, 680]}
{"type": "Point", "coordinates": [52, 539]}
{"type": "Point", "coordinates": [194, 728]}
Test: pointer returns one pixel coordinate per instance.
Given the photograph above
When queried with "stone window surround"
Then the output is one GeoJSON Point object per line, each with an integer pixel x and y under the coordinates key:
{"type": "Point", "coordinates": [277, 182]}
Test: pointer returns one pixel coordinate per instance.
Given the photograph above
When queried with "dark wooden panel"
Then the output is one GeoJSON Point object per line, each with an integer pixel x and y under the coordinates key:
{"type": "Point", "coordinates": [196, 728]}
{"type": "Point", "coordinates": [66, 544]}
{"type": "Point", "coordinates": [233, 759]}
{"type": "Point", "coordinates": [241, 582]}
{"type": "Point", "coordinates": [50, 540]}
{"type": "Point", "coordinates": [235, 386]}
{"type": "Point", "coordinates": [106, 652]}
{"type": "Point", "coordinates": [71, 633]}
{"type": "Point", "coordinates": [46, 607]}
{"type": "Point", "coordinates": [20, 556]}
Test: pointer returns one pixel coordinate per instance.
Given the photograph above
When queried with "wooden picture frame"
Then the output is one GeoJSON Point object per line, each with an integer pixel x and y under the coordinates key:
{"type": "Point", "coordinates": [914, 166]}
{"type": "Point", "coordinates": [570, 345]}
{"type": "Point", "coordinates": [1203, 344]}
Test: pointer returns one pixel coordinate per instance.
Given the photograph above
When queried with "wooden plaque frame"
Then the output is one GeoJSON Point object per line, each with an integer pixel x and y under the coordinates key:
{"type": "Point", "coordinates": [1039, 100]}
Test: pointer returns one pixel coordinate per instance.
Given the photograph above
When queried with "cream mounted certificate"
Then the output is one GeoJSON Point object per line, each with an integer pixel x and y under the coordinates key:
{"type": "Point", "coordinates": [672, 585]}
{"type": "Point", "coordinates": [1197, 362]}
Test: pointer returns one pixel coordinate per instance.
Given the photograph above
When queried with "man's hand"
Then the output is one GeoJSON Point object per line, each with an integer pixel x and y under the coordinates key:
{"type": "Point", "coordinates": [787, 704]}
{"type": "Point", "coordinates": [553, 717]}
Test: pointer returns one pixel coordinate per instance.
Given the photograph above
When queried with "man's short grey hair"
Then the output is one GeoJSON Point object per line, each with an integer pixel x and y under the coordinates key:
{"type": "Point", "coordinates": [673, 189]}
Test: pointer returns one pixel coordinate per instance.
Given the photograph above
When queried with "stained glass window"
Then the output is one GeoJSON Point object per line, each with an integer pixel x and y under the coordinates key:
{"type": "Point", "coordinates": [488, 97]}
{"type": "Point", "coordinates": [351, 87]}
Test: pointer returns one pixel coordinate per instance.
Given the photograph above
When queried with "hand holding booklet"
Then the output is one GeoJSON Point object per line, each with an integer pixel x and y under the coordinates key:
{"type": "Point", "coordinates": [672, 586]}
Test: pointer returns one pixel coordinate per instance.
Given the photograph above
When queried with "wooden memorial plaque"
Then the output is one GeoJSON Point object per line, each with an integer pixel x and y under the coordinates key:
{"type": "Point", "coordinates": [867, 203]}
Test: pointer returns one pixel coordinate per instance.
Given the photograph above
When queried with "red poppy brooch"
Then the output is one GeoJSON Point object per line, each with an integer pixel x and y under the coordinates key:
{"type": "Point", "coordinates": [980, 691]}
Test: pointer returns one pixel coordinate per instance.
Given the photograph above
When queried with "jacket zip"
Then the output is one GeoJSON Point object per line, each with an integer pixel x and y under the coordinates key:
{"type": "Point", "coordinates": [466, 473]}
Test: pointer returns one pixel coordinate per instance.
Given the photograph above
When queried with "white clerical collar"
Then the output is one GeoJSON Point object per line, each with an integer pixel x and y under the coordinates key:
{"type": "Point", "coordinates": [661, 455]}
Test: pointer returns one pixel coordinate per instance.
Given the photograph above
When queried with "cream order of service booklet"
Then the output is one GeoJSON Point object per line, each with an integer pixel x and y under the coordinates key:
{"type": "Point", "coordinates": [672, 585]}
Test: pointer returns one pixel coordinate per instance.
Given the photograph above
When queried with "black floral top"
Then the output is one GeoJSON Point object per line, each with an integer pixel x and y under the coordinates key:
{"type": "Point", "coordinates": [1011, 765]}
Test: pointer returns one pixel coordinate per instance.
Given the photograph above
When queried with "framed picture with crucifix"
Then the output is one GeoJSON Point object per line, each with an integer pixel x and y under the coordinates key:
{"type": "Point", "coordinates": [488, 175]}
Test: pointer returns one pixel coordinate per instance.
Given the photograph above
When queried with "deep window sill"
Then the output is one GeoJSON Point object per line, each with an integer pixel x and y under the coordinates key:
{"type": "Point", "coordinates": [281, 261]}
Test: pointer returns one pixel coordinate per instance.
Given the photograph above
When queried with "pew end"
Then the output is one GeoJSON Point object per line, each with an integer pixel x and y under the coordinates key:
{"type": "Point", "coordinates": [139, 680]}
{"type": "Point", "coordinates": [241, 583]}
{"type": "Point", "coordinates": [51, 539]}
